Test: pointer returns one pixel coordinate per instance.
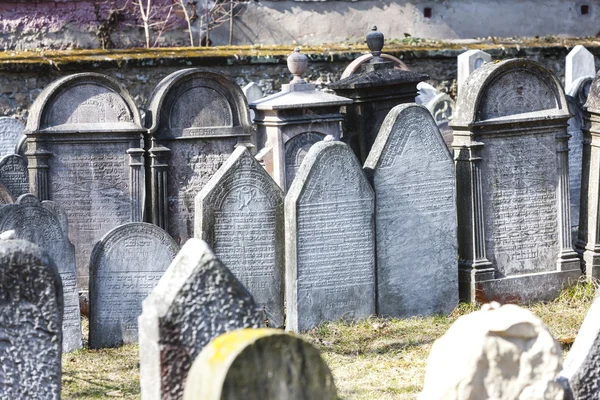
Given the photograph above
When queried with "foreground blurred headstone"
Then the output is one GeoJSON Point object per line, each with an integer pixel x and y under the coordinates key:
{"type": "Point", "coordinates": [259, 364]}
{"type": "Point", "coordinates": [30, 323]}
{"type": "Point", "coordinates": [500, 353]}
{"type": "Point", "coordinates": [196, 300]}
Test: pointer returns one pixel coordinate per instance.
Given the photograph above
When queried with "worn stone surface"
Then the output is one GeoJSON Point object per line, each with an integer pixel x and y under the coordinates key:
{"type": "Point", "coordinates": [578, 63]}
{"type": "Point", "coordinates": [468, 62]}
{"type": "Point", "coordinates": [239, 213]}
{"type": "Point", "coordinates": [290, 368]}
{"type": "Point", "coordinates": [45, 224]}
{"type": "Point", "coordinates": [14, 174]}
{"type": "Point", "coordinates": [11, 132]}
{"type": "Point", "coordinates": [412, 174]}
{"type": "Point", "coordinates": [500, 352]}
{"type": "Point", "coordinates": [196, 300]}
{"type": "Point", "coordinates": [125, 266]}
{"type": "Point", "coordinates": [85, 151]}
{"type": "Point", "coordinates": [195, 118]}
{"type": "Point", "coordinates": [6, 196]}
{"type": "Point", "coordinates": [510, 142]}
{"type": "Point", "coordinates": [330, 244]}
{"type": "Point", "coordinates": [30, 333]}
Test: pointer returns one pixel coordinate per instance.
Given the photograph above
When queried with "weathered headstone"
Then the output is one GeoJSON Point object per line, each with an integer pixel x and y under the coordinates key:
{"type": "Point", "coordinates": [6, 196]}
{"type": "Point", "coordinates": [45, 225]}
{"type": "Point", "coordinates": [291, 121]}
{"type": "Point", "coordinates": [11, 133]}
{"type": "Point", "coordinates": [511, 156]}
{"type": "Point", "coordinates": [239, 213]}
{"type": "Point", "coordinates": [578, 63]}
{"type": "Point", "coordinates": [259, 364]}
{"type": "Point", "coordinates": [412, 174]}
{"type": "Point", "coordinates": [85, 151]}
{"type": "Point", "coordinates": [499, 352]}
{"type": "Point", "coordinates": [195, 118]}
{"type": "Point", "coordinates": [440, 105]}
{"type": "Point", "coordinates": [30, 333]}
{"type": "Point", "coordinates": [196, 300]}
{"type": "Point", "coordinates": [330, 244]}
{"type": "Point", "coordinates": [14, 174]}
{"type": "Point", "coordinates": [468, 62]}
{"type": "Point", "coordinates": [125, 266]}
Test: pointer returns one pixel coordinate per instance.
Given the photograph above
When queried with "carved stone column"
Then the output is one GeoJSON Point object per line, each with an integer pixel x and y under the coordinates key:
{"type": "Point", "coordinates": [136, 183]}
{"type": "Point", "coordinates": [159, 164]}
{"type": "Point", "coordinates": [37, 164]}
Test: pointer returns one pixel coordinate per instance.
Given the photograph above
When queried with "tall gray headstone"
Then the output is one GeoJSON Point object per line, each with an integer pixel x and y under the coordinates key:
{"type": "Point", "coordinates": [511, 156]}
{"type": "Point", "coordinates": [468, 62]}
{"type": "Point", "coordinates": [14, 174]}
{"type": "Point", "coordinates": [195, 119]}
{"type": "Point", "coordinates": [11, 133]}
{"type": "Point", "coordinates": [196, 300]}
{"type": "Point", "coordinates": [125, 266]}
{"type": "Point", "coordinates": [85, 150]}
{"type": "Point", "coordinates": [578, 63]}
{"type": "Point", "coordinates": [239, 213]}
{"type": "Point", "coordinates": [45, 224]}
{"type": "Point", "coordinates": [330, 244]}
{"type": "Point", "coordinates": [30, 333]}
{"type": "Point", "coordinates": [412, 174]}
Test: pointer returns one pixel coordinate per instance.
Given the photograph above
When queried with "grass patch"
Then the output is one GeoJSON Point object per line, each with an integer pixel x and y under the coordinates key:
{"type": "Point", "coordinates": [374, 359]}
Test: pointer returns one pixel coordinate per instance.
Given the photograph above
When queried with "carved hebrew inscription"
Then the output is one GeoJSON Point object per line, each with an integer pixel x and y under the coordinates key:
{"type": "Point", "coordinates": [14, 175]}
{"type": "Point", "coordinates": [11, 132]}
{"type": "Point", "coordinates": [202, 107]}
{"type": "Point", "coordinates": [295, 151]}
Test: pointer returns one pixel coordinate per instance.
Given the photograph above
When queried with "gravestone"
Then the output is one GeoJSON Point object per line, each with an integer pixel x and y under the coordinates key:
{"type": "Point", "coordinates": [125, 266]}
{"type": "Point", "coordinates": [578, 63]}
{"type": "Point", "coordinates": [14, 174]}
{"type": "Point", "coordinates": [239, 213]}
{"type": "Point", "coordinates": [196, 300]}
{"type": "Point", "coordinates": [30, 333]}
{"type": "Point", "coordinates": [468, 62]}
{"type": "Point", "coordinates": [253, 93]}
{"type": "Point", "coordinates": [259, 364]}
{"type": "Point", "coordinates": [11, 132]}
{"type": "Point", "coordinates": [412, 174]}
{"type": "Point", "coordinates": [195, 119]}
{"type": "Point", "coordinates": [441, 106]}
{"type": "Point", "coordinates": [330, 244]}
{"type": "Point", "coordinates": [85, 151]}
{"type": "Point", "coordinates": [511, 157]}
{"type": "Point", "coordinates": [45, 224]}
{"type": "Point", "coordinates": [6, 196]}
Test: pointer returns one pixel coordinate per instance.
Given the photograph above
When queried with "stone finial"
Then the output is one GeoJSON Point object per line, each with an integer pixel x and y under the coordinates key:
{"type": "Point", "coordinates": [375, 42]}
{"type": "Point", "coordinates": [297, 64]}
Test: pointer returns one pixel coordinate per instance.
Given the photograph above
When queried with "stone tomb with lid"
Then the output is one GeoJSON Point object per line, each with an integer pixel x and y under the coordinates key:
{"type": "Point", "coordinates": [85, 151]}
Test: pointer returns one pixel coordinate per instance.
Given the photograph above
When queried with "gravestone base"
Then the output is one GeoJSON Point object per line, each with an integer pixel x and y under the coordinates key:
{"type": "Point", "coordinates": [522, 289]}
{"type": "Point", "coordinates": [590, 263]}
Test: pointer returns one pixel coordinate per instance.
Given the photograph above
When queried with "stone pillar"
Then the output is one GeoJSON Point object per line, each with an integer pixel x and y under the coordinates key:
{"type": "Point", "coordinates": [136, 183]}
{"type": "Point", "coordinates": [37, 164]}
{"type": "Point", "coordinates": [159, 165]}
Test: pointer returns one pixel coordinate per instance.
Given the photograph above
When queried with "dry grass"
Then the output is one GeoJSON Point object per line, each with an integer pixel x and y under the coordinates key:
{"type": "Point", "coordinates": [374, 359]}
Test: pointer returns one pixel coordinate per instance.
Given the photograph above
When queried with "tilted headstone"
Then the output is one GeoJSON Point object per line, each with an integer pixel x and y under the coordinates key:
{"type": "Point", "coordinates": [30, 333]}
{"type": "Point", "coordinates": [11, 133]}
{"type": "Point", "coordinates": [125, 266]}
{"type": "Point", "coordinates": [45, 224]}
{"type": "Point", "coordinates": [259, 364]}
{"type": "Point", "coordinates": [85, 151]}
{"type": "Point", "coordinates": [468, 62]}
{"type": "Point", "coordinates": [195, 118]}
{"type": "Point", "coordinates": [14, 175]}
{"type": "Point", "coordinates": [330, 244]}
{"type": "Point", "coordinates": [581, 371]}
{"type": "Point", "coordinates": [239, 213]}
{"type": "Point", "coordinates": [578, 63]}
{"type": "Point", "coordinates": [379, 88]}
{"type": "Point", "coordinates": [291, 121]}
{"type": "Point", "coordinates": [196, 300]}
{"type": "Point", "coordinates": [412, 174]}
{"type": "Point", "coordinates": [511, 157]}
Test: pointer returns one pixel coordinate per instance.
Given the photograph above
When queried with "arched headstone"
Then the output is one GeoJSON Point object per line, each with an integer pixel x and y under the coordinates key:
{"type": "Point", "coordinates": [468, 62]}
{"type": "Point", "coordinates": [14, 174]}
{"type": "Point", "coordinates": [85, 151]}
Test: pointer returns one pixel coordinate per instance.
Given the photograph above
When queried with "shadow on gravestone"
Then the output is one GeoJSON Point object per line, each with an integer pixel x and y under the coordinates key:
{"type": "Point", "coordinates": [125, 266]}
{"type": "Point", "coordinates": [259, 364]}
{"type": "Point", "coordinates": [11, 133]}
{"type": "Point", "coordinates": [412, 174]}
{"type": "Point", "coordinates": [6, 196]}
{"type": "Point", "coordinates": [45, 224]}
{"type": "Point", "coordinates": [330, 244]}
{"type": "Point", "coordinates": [196, 300]}
{"type": "Point", "coordinates": [30, 327]}
{"type": "Point", "coordinates": [84, 150]}
{"type": "Point", "coordinates": [510, 149]}
{"type": "Point", "coordinates": [14, 174]}
{"type": "Point", "coordinates": [195, 119]}
{"type": "Point", "coordinates": [239, 213]}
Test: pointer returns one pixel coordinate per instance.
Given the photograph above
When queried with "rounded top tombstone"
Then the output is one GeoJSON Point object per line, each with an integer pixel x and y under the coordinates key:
{"type": "Point", "coordinates": [510, 91]}
{"type": "Point", "coordinates": [193, 102]}
{"type": "Point", "coordinates": [85, 102]}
